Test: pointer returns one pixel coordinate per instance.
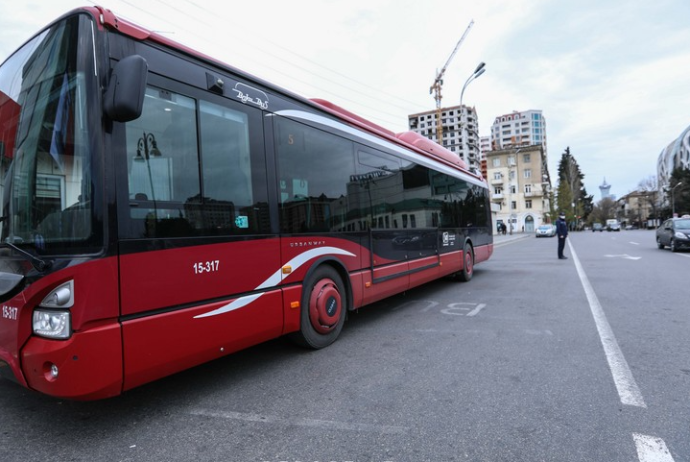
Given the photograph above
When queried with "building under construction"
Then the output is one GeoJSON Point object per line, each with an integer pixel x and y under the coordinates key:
{"type": "Point", "coordinates": [459, 130]}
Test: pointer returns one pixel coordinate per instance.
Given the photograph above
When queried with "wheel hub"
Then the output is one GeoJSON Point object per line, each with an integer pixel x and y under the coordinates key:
{"type": "Point", "coordinates": [325, 306]}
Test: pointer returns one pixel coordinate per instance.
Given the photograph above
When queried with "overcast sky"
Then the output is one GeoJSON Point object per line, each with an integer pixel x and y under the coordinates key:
{"type": "Point", "coordinates": [612, 77]}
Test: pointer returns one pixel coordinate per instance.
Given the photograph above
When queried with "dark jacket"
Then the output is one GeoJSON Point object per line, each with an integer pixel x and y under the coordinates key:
{"type": "Point", "coordinates": [561, 228]}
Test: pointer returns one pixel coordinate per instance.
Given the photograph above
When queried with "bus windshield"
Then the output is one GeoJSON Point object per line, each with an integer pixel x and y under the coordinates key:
{"type": "Point", "coordinates": [47, 199]}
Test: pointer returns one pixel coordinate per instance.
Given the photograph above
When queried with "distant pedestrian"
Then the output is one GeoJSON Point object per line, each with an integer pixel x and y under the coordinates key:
{"type": "Point", "coordinates": [562, 233]}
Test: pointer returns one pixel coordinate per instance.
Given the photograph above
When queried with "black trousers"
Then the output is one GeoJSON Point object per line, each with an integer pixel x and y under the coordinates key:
{"type": "Point", "coordinates": [561, 246]}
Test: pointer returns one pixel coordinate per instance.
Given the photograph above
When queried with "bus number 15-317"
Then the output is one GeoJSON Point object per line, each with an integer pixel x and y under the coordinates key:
{"type": "Point", "coordinates": [206, 266]}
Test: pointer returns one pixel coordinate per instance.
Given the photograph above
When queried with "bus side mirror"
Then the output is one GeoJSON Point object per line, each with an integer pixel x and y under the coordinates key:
{"type": "Point", "coordinates": [124, 97]}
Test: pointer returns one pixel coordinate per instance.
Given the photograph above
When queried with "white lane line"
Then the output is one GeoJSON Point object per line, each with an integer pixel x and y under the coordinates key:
{"type": "Point", "coordinates": [315, 423]}
{"type": "Point", "coordinates": [627, 388]}
{"type": "Point", "coordinates": [634, 243]}
{"type": "Point", "coordinates": [651, 449]}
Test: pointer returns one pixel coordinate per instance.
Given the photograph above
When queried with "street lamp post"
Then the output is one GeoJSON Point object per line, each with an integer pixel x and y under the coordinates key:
{"type": "Point", "coordinates": [477, 72]}
{"type": "Point", "coordinates": [673, 199]}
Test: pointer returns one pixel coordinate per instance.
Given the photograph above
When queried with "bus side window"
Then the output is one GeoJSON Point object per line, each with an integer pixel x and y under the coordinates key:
{"type": "Point", "coordinates": [315, 170]}
{"type": "Point", "coordinates": [228, 166]}
{"type": "Point", "coordinates": [162, 166]}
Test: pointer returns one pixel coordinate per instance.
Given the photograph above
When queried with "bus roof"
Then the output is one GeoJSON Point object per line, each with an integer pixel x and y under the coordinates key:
{"type": "Point", "coordinates": [410, 140]}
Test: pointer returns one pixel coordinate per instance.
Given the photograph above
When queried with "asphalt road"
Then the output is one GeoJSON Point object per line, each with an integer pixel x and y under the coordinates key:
{"type": "Point", "coordinates": [535, 359]}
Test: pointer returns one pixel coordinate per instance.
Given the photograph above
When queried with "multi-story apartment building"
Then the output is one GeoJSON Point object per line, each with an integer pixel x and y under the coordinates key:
{"type": "Point", "coordinates": [524, 128]}
{"type": "Point", "coordinates": [520, 187]}
{"type": "Point", "coordinates": [639, 208]}
{"type": "Point", "coordinates": [675, 155]}
{"type": "Point", "coordinates": [459, 131]}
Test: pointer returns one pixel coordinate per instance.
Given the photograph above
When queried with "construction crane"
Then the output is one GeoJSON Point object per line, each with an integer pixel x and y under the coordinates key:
{"type": "Point", "coordinates": [438, 83]}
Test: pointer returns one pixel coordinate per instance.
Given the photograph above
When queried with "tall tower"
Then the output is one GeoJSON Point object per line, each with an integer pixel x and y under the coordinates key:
{"type": "Point", "coordinates": [605, 189]}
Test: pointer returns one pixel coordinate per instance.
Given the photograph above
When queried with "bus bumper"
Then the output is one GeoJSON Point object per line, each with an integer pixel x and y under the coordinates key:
{"type": "Point", "coordinates": [87, 366]}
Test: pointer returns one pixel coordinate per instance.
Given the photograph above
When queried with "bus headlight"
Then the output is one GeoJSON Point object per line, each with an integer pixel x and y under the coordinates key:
{"type": "Point", "coordinates": [52, 324]}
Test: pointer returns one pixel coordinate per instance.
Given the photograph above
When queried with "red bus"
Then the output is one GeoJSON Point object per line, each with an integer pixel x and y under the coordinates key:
{"type": "Point", "coordinates": [161, 209]}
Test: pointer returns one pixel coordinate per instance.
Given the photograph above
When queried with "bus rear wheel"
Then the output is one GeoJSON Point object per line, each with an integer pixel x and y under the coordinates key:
{"type": "Point", "coordinates": [467, 271]}
{"type": "Point", "coordinates": [324, 305]}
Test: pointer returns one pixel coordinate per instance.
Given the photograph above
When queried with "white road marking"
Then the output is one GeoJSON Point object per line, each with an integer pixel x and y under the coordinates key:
{"type": "Point", "coordinates": [429, 305]}
{"type": "Point", "coordinates": [625, 255]}
{"type": "Point", "coordinates": [476, 310]}
{"type": "Point", "coordinates": [634, 243]}
{"type": "Point", "coordinates": [627, 388]}
{"type": "Point", "coordinates": [317, 423]}
{"type": "Point", "coordinates": [651, 449]}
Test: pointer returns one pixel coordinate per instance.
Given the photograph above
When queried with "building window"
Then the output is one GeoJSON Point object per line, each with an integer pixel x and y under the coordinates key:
{"type": "Point", "coordinates": [528, 203]}
{"type": "Point", "coordinates": [498, 190]}
{"type": "Point", "coordinates": [496, 161]}
{"type": "Point", "coordinates": [527, 158]}
{"type": "Point", "coordinates": [513, 205]}
{"type": "Point", "coordinates": [527, 173]}
{"type": "Point", "coordinates": [528, 188]}
{"type": "Point", "coordinates": [497, 175]}
{"type": "Point", "coordinates": [513, 189]}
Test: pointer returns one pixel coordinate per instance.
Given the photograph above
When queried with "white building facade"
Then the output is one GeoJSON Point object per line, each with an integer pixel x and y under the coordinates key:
{"type": "Point", "coordinates": [524, 128]}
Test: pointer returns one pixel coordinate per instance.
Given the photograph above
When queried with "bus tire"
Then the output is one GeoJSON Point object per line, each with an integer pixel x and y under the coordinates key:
{"type": "Point", "coordinates": [323, 309]}
{"type": "Point", "coordinates": [467, 271]}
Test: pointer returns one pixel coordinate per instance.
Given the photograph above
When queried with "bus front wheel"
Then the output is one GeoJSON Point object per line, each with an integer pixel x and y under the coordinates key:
{"type": "Point", "coordinates": [324, 305]}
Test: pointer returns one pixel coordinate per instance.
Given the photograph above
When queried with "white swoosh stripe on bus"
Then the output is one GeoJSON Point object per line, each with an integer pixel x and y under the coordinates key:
{"type": "Point", "coordinates": [275, 278]}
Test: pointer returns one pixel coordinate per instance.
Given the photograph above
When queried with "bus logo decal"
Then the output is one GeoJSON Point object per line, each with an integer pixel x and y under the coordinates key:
{"type": "Point", "coordinates": [251, 95]}
{"type": "Point", "coordinates": [275, 279]}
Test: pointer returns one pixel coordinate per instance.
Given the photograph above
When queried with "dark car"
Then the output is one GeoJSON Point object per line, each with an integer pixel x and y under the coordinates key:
{"type": "Point", "coordinates": [674, 233]}
{"type": "Point", "coordinates": [597, 227]}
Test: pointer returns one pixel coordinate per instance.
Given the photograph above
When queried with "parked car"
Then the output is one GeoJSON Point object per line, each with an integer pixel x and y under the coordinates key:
{"type": "Point", "coordinates": [597, 227]}
{"type": "Point", "coordinates": [613, 226]}
{"type": "Point", "coordinates": [545, 231]}
{"type": "Point", "coordinates": [674, 233]}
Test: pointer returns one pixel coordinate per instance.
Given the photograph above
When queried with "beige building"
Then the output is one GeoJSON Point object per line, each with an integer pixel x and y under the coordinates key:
{"type": "Point", "coordinates": [520, 187]}
{"type": "Point", "coordinates": [639, 208]}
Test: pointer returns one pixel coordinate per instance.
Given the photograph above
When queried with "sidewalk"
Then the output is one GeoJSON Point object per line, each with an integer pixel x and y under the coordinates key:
{"type": "Point", "coordinates": [503, 239]}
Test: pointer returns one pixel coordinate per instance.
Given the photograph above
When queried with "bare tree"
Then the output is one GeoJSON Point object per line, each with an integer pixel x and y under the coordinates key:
{"type": "Point", "coordinates": [649, 190]}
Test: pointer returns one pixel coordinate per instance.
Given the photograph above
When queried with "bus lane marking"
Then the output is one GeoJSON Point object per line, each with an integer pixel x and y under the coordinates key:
{"type": "Point", "coordinates": [313, 423]}
{"type": "Point", "coordinates": [429, 305]}
{"type": "Point", "coordinates": [628, 390]}
{"type": "Point", "coordinates": [459, 308]}
{"type": "Point", "coordinates": [651, 449]}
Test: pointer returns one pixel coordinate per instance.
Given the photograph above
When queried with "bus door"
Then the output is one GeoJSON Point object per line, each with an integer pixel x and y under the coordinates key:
{"type": "Point", "coordinates": [196, 249]}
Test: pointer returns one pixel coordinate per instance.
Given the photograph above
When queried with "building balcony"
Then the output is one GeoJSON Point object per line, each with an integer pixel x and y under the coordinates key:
{"type": "Point", "coordinates": [534, 193]}
{"type": "Point", "coordinates": [497, 197]}
{"type": "Point", "coordinates": [497, 181]}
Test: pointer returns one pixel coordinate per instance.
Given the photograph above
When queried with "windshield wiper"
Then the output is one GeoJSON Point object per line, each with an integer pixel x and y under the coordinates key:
{"type": "Point", "coordinates": [38, 263]}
